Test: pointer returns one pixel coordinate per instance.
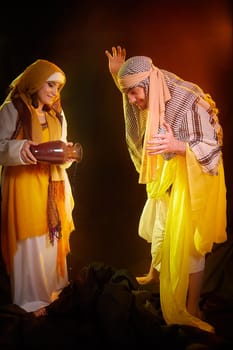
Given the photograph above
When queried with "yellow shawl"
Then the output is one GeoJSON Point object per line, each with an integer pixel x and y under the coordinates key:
{"type": "Point", "coordinates": [196, 219]}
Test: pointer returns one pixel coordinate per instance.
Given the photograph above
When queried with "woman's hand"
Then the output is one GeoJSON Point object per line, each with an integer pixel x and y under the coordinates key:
{"type": "Point", "coordinates": [165, 143]}
{"type": "Point", "coordinates": [115, 59]}
{"type": "Point", "coordinates": [25, 153]}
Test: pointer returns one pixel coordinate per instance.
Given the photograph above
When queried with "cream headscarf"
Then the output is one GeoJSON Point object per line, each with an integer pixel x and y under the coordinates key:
{"type": "Point", "coordinates": [140, 71]}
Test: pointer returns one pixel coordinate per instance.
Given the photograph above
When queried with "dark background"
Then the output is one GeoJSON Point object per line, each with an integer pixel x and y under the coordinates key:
{"type": "Point", "coordinates": [192, 39]}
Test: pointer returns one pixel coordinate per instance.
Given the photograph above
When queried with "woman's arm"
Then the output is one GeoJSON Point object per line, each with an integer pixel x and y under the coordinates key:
{"type": "Point", "coordinates": [10, 149]}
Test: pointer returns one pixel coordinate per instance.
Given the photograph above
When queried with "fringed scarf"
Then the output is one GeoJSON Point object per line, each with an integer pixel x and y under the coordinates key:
{"type": "Point", "coordinates": [22, 94]}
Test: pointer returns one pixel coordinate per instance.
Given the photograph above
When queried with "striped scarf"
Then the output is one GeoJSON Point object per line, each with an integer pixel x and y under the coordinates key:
{"type": "Point", "coordinates": [184, 96]}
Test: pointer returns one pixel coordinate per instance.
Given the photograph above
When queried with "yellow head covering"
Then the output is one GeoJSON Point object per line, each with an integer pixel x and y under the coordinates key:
{"type": "Point", "coordinates": [23, 92]}
{"type": "Point", "coordinates": [32, 78]}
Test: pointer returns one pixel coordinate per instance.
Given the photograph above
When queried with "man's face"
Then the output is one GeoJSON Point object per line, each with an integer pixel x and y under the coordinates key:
{"type": "Point", "coordinates": [137, 97]}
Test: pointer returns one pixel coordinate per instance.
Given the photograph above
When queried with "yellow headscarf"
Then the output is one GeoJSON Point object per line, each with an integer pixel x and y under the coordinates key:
{"type": "Point", "coordinates": [32, 78]}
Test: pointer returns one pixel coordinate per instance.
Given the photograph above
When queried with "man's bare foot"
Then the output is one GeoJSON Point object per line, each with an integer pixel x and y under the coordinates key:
{"type": "Point", "coordinates": [150, 278]}
{"type": "Point", "coordinates": [40, 312]}
{"type": "Point", "coordinates": [147, 279]}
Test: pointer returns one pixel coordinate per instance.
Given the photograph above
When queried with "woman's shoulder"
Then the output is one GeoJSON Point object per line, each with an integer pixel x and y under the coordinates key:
{"type": "Point", "coordinates": [8, 114]}
{"type": "Point", "coordinates": [8, 107]}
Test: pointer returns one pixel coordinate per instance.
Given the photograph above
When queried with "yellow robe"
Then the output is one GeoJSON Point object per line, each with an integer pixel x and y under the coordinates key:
{"type": "Point", "coordinates": [196, 219]}
{"type": "Point", "coordinates": [24, 206]}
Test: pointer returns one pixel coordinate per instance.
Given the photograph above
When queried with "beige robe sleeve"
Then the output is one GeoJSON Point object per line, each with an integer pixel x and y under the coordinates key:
{"type": "Point", "coordinates": [9, 149]}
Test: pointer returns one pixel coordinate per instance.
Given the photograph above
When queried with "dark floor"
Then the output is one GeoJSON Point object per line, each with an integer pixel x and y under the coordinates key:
{"type": "Point", "coordinates": [105, 306]}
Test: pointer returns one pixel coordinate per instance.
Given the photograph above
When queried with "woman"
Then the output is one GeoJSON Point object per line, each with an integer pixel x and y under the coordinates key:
{"type": "Point", "coordinates": [174, 139]}
{"type": "Point", "coordinates": [37, 203]}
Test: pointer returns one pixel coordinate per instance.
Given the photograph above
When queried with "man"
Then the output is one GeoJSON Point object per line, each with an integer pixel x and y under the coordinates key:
{"type": "Point", "coordinates": [174, 140]}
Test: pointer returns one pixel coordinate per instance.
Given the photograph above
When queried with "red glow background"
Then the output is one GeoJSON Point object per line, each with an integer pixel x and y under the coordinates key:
{"type": "Point", "coordinates": [191, 39]}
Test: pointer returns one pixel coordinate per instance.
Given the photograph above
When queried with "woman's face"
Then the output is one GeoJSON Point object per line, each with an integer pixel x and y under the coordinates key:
{"type": "Point", "coordinates": [137, 97]}
{"type": "Point", "coordinates": [48, 92]}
